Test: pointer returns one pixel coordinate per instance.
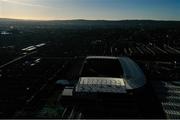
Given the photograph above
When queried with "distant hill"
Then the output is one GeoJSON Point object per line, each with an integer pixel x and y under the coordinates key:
{"type": "Point", "coordinates": [88, 23]}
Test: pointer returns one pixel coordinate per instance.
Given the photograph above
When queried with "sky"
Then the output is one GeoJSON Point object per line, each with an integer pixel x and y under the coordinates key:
{"type": "Point", "coordinates": [90, 9]}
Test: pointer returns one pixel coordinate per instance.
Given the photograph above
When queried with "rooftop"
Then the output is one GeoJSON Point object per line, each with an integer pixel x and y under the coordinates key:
{"type": "Point", "coordinates": [94, 67]}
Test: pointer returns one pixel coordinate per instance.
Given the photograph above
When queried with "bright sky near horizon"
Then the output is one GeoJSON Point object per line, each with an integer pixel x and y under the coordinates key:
{"type": "Point", "coordinates": [90, 9]}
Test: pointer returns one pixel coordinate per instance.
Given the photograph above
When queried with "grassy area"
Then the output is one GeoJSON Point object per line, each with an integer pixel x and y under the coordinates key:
{"type": "Point", "coordinates": [52, 108]}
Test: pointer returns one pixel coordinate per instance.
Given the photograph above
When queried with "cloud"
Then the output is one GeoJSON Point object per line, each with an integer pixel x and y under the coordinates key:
{"type": "Point", "coordinates": [23, 3]}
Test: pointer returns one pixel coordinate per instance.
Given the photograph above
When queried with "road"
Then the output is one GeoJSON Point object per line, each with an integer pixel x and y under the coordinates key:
{"type": "Point", "coordinates": [17, 59]}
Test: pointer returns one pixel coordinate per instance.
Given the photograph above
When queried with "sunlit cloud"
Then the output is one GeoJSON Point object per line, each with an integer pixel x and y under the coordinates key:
{"type": "Point", "coordinates": [24, 3]}
{"type": "Point", "coordinates": [4, 0]}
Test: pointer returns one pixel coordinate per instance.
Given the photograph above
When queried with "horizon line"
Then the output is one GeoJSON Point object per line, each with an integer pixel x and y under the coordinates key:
{"type": "Point", "coordinates": [25, 19]}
